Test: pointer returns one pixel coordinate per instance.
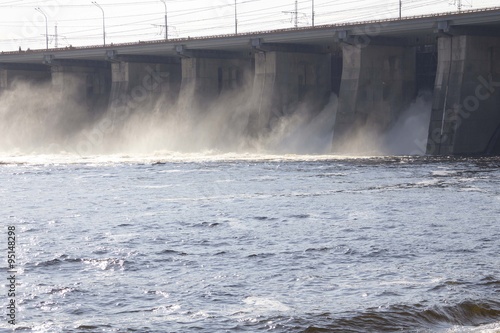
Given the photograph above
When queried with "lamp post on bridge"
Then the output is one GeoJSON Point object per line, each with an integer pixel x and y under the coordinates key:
{"type": "Point", "coordinates": [235, 19]}
{"type": "Point", "coordinates": [103, 22]}
{"type": "Point", "coordinates": [166, 19]}
{"type": "Point", "coordinates": [38, 9]}
{"type": "Point", "coordinates": [312, 14]}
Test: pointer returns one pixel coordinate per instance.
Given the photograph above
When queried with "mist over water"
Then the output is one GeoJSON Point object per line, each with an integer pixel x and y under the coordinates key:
{"type": "Point", "coordinates": [42, 119]}
{"type": "Point", "coordinates": [32, 117]}
{"type": "Point", "coordinates": [407, 135]}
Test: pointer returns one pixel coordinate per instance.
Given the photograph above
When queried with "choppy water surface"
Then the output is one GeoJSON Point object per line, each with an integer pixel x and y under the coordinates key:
{"type": "Point", "coordinates": [254, 243]}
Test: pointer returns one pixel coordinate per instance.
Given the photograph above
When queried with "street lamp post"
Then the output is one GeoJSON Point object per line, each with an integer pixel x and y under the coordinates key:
{"type": "Point", "coordinates": [38, 9]}
{"type": "Point", "coordinates": [166, 19]}
{"type": "Point", "coordinates": [312, 14]}
{"type": "Point", "coordinates": [296, 14]}
{"type": "Point", "coordinates": [235, 19]}
{"type": "Point", "coordinates": [103, 22]}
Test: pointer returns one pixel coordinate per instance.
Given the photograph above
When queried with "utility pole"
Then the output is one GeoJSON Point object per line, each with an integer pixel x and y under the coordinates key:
{"type": "Point", "coordinates": [103, 22]}
{"type": "Point", "coordinates": [461, 4]}
{"type": "Point", "coordinates": [38, 9]}
{"type": "Point", "coordinates": [235, 19]}
{"type": "Point", "coordinates": [166, 19]}
{"type": "Point", "coordinates": [400, 6]}
{"type": "Point", "coordinates": [312, 16]}
{"type": "Point", "coordinates": [296, 14]}
{"type": "Point", "coordinates": [458, 3]}
{"type": "Point", "coordinates": [56, 41]}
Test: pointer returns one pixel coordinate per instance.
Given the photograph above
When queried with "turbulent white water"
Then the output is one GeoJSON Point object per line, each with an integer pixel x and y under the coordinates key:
{"type": "Point", "coordinates": [38, 120]}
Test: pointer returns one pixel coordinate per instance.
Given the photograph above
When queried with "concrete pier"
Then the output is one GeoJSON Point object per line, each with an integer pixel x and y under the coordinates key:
{"type": "Point", "coordinates": [139, 80]}
{"type": "Point", "coordinates": [86, 83]}
{"type": "Point", "coordinates": [378, 82]}
{"type": "Point", "coordinates": [466, 107]}
{"type": "Point", "coordinates": [206, 76]}
{"type": "Point", "coordinates": [284, 80]}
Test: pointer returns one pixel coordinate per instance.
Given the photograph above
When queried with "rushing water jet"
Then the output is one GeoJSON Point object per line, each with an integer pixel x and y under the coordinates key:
{"type": "Point", "coordinates": [41, 118]}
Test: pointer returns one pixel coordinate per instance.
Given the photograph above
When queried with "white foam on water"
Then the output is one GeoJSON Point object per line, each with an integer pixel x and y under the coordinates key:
{"type": "Point", "coordinates": [443, 173]}
{"type": "Point", "coordinates": [489, 328]}
{"type": "Point", "coordinates": [163, 157]}
{"type": "Point", "coordinates": [263, 304]}
{"type": "Point", "coordinates": [237, 224]}
{"type": "Point", "coordinates": [429, 182]}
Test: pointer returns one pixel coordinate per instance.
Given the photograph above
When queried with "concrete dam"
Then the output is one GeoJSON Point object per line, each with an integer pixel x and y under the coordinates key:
{"type": "Point", "coordinates": [376, 69]}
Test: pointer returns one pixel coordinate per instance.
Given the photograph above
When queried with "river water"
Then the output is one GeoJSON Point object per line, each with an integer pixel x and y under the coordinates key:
{"type": "Point", "coordinates": [245, 243]}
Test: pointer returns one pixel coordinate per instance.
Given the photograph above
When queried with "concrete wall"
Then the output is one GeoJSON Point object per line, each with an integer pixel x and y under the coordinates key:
{"type": "Point", "coordinates": [9, 76]}
{"type": "Point", "coordinates": [142, 83]}
{"type": "Point", "coordinates": [85, 85]}
{"type": "Point", "coordinates": [284, 80]}
{"type": "Point", "coordinates": [204, 79]}
{"type": "Point", "coordinates": [378, 83]}
{"type": "Point", "coordinates": [466, 105]}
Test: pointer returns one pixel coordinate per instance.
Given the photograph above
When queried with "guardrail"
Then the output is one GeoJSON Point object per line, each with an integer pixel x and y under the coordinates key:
{"type": "Point", "coordinates": [257, 33]}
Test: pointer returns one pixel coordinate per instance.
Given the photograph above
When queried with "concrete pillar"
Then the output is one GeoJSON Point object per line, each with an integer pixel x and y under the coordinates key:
{"type": "Point", "coordinates": [283, 80]}
{"type": "Point", "coordinates": [378, 82]}
{"type": "Point", "coordinates": [139, 83]}
{"type": "Point", "coordinates": [86, 85]}
{"type": "Point", "coordinates": [466, 113]}
{"type": "Point", "coordinates": [204, 79]}
{"type": "Point", "coordinates": [4, 80]}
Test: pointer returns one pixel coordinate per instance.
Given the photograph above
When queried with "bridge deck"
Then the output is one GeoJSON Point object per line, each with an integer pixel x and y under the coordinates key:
{"type": "Point", "coordinates": [407, 27]}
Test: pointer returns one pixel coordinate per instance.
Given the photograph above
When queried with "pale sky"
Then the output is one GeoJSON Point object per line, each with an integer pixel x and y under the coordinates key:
{"type": "Point", "coordinates": [79, 22]}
